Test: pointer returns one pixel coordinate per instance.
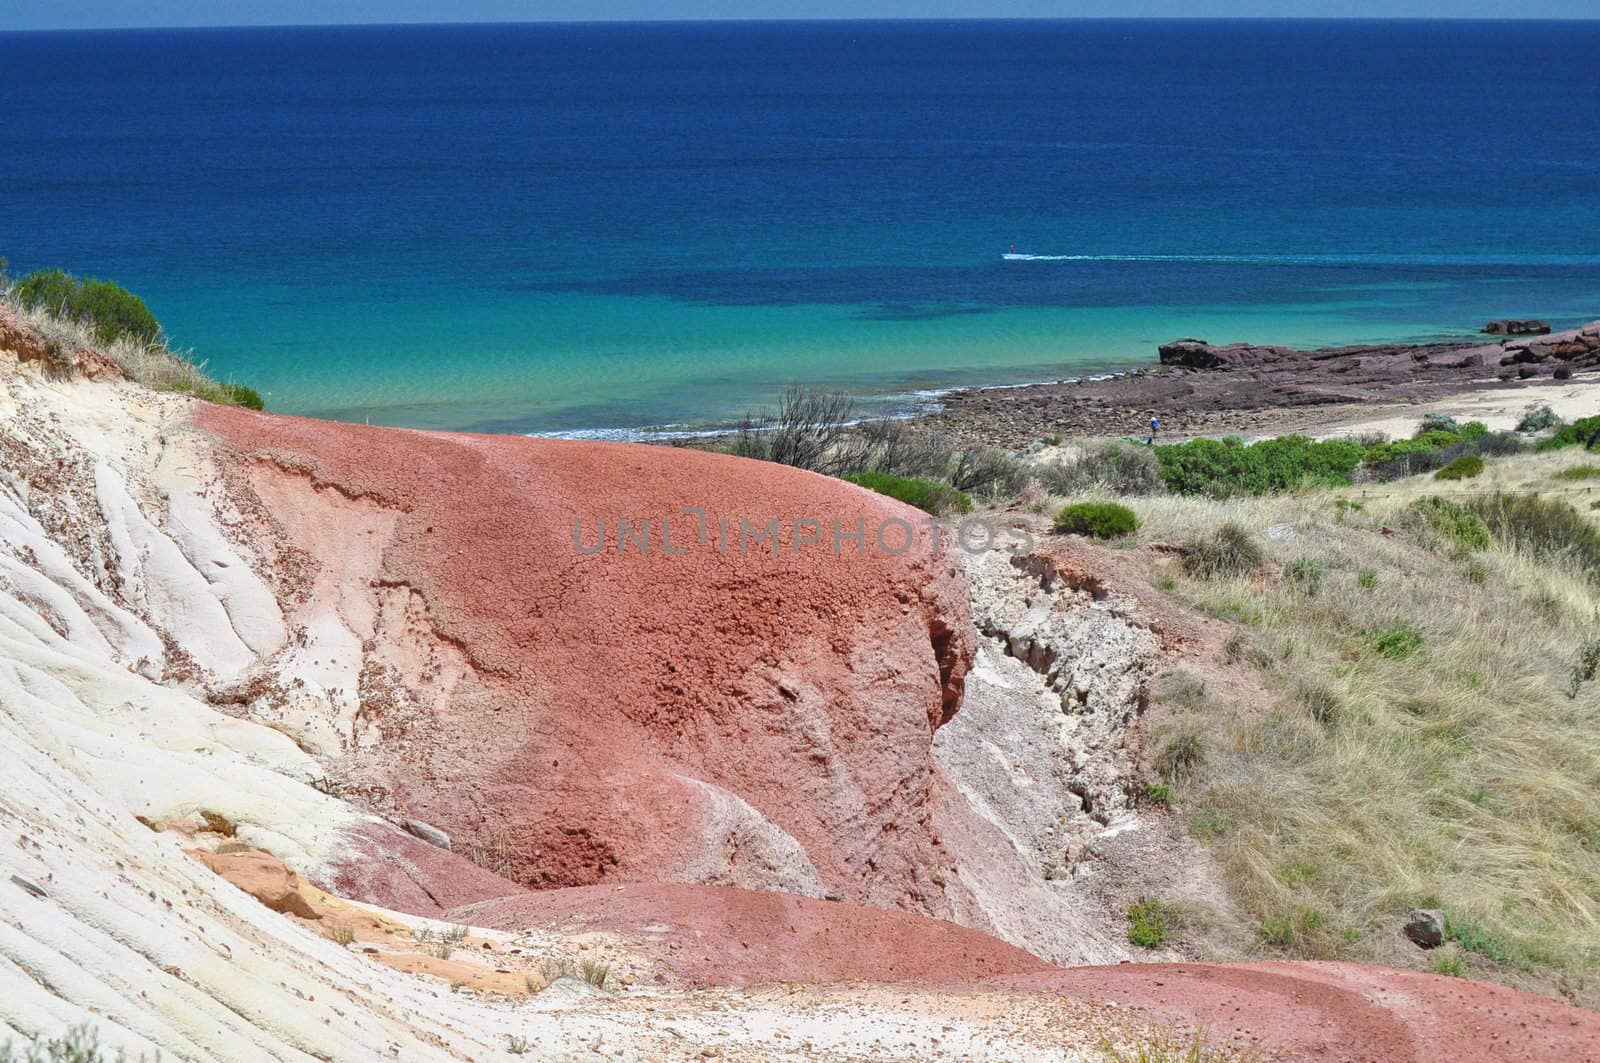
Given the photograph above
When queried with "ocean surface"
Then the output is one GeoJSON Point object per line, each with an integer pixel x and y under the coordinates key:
{"type": "Point", "coordinates": [600, 228]}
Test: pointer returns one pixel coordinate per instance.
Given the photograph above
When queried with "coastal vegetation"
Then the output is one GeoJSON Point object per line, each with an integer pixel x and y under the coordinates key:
{"type": "Point", "coordinates": [930, 496]}
{"type": "Point", "coordinates": [1402, 712]}
{"type": "Point", "coordinates": [1101, 520]}
{"type": "Point", "coordinates": [73, 314]}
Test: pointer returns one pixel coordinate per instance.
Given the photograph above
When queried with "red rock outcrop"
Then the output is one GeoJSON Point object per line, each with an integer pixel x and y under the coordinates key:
{"type": "Point", "coordinates": [724, 708]}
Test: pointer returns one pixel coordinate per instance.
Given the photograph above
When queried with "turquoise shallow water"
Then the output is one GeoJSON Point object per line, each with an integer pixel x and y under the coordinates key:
{"type": "Point", "coordinates": [606, 228]}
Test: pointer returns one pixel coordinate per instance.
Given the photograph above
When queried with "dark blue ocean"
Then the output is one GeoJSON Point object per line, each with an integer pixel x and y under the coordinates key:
{"type": "Point", "coordinates": [594, 227]}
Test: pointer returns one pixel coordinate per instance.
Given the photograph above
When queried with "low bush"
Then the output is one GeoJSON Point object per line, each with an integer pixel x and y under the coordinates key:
{"type": "Point", "coordinates": [1584, 433]}
{"type": "Point", "coordinates": [1453, 522]}
{"type": "Point", "coordinates": [1578, 472]}
{"type": "Point", "coordinates": [1439, 422]}
{"type": "Point", "coordinates": [930, 496]}
{"type": "Point", "coordinates": [1102, 520]}
{"type": "Point", "coordinates": [1463, 468]}
{"type": "Point", "coordinates": [1122, 468]}
{"type": "Point", "coordinates": [1538, 417]}
{"type": "Point", "coordinates": [1397, 641]}
{"type": "Point", "coordinates": [990, 472]}
{"type": "Point", "coordinates": [1150, 923]}
{"type": "Point", "coordinates": [1223, 468]}
{"type": "Point", "coordinates": [110, 311]}
{"type": "Point", "coordinates": [1544, 527]}
{"type": "Point", "coordinates": [1230, 552]}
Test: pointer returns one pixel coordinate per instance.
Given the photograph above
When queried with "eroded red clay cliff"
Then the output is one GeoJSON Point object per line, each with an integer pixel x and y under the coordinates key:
{"type": "Point", "coordinates": [731, 714]}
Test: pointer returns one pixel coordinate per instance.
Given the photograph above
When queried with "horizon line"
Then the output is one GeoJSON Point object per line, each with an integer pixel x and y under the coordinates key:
{"type": "Point", "coordinates": [779, 20]}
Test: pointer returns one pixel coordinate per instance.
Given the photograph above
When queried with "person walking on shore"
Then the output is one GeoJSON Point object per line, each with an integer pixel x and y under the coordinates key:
{"type": "Point", "coordinates": [1155, 425]}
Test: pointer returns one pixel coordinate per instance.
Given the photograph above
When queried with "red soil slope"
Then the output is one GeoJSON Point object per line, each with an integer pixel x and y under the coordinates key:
{"type": "Point", "coordinates": [606, 690]}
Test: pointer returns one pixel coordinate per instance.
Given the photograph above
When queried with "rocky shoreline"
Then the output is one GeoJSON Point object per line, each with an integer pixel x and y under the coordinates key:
{"type": "Point", "coordinates": [1200, 388]}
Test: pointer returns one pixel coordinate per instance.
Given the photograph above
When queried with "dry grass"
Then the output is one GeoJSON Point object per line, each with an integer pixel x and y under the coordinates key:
{"type": "Point", "coordinates": [1421, 749]}
{"type": "Point", "coordinates": [154, 364]}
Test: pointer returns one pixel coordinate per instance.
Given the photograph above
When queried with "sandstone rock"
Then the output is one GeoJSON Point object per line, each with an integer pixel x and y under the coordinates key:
{"type": "Point", "coordinates": [428, 833]}
{"type": "Point", "coordinates": [1425, 928]}
{"type": "Point", "coordinates": [1515, 327]}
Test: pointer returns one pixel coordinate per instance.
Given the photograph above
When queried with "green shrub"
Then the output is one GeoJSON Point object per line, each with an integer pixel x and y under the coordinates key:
{"type": "Point", "coordinates": [1119, 467]}
{"type": "Point", "coordinates": [240, 395]}
{"type": "Point", "coordinates": [1537, 418]}
{"type": "Point", "coordinates": [1290, 928]}
{"type": "Point", "coordinates": [1453, 522]}
{"type": "Point", "coordinates": [1473, 431]}
{"type": "Point", "coordinates": [1150, 923]}
{"type": "Point", "coordinates": [1397, 641]}
{"type": "Point", "coordinates": [1230, 552]}
{"type": "Point", "coordinates": [1230, 467]}
{"type": "Point", "coordinates": [110, 311]}
{"type": "Point", "coordinates": [1463, 468]}
{"type": "Point", "coordinates": [1102, 520]}
{"type": "Point", "coordinates": [1578, 472]}
{"type": "Point", "coordinates": [930, 496]}
{"type": "Point", "coordinates": [1439, 422]}
{"type": "Point", "coordinates": [1544, 527]}
{"type": "Point", "coordinates": [1447, 964]}
{"type": "Point", "coordinates": [1584, 433]}
{"type": "Point", "coordinates": [1159, 794]}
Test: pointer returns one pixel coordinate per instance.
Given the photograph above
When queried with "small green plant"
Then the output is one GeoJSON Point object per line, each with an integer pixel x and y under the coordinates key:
{"type": "Point", "coordinates": [240, 395]}
{"type": "Point", "coordinates": [1159, 794]}
{"type": "Point", "coordinates": [1463, 468]}
{"type": "Point", "coordinates": [1229, 553]}
{"type": "Point", "coordinates": [1397, 641]}
{"type": "Point", "coordinates": [1585, 667]}
{"type": "Point", "coordinates": [1290, 928]}
{"type": "Point", "coordinates": [1150, 923]}
{"type": "Point", "coordinates": [1101, 520]}
{"type": "Point", "coordinates": [1473, 936]}
{"type": "Point", "coordinates": [930, 496]}
{"type": "Point", "coordinates": [1453, 522]}
{"type": "Point", "coordinates": [1306, 574]}
{"type": "Point", "coordinates": [1210, 825]}
{"type": "Point", "coordinates": [1367, 579]}
{"type": "Point", "coordinates": [1578, 472]}
{"type": "Point", "coordinates": [342, 934]}
{"type": "Point", "coordinates": [1449, 964]}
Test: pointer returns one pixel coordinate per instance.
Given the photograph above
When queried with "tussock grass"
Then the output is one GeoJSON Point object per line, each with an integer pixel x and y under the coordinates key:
{"type": "Point", "coordinates": [1434, 739]}
{"type": "Point", "coordinates": [150, 362]}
